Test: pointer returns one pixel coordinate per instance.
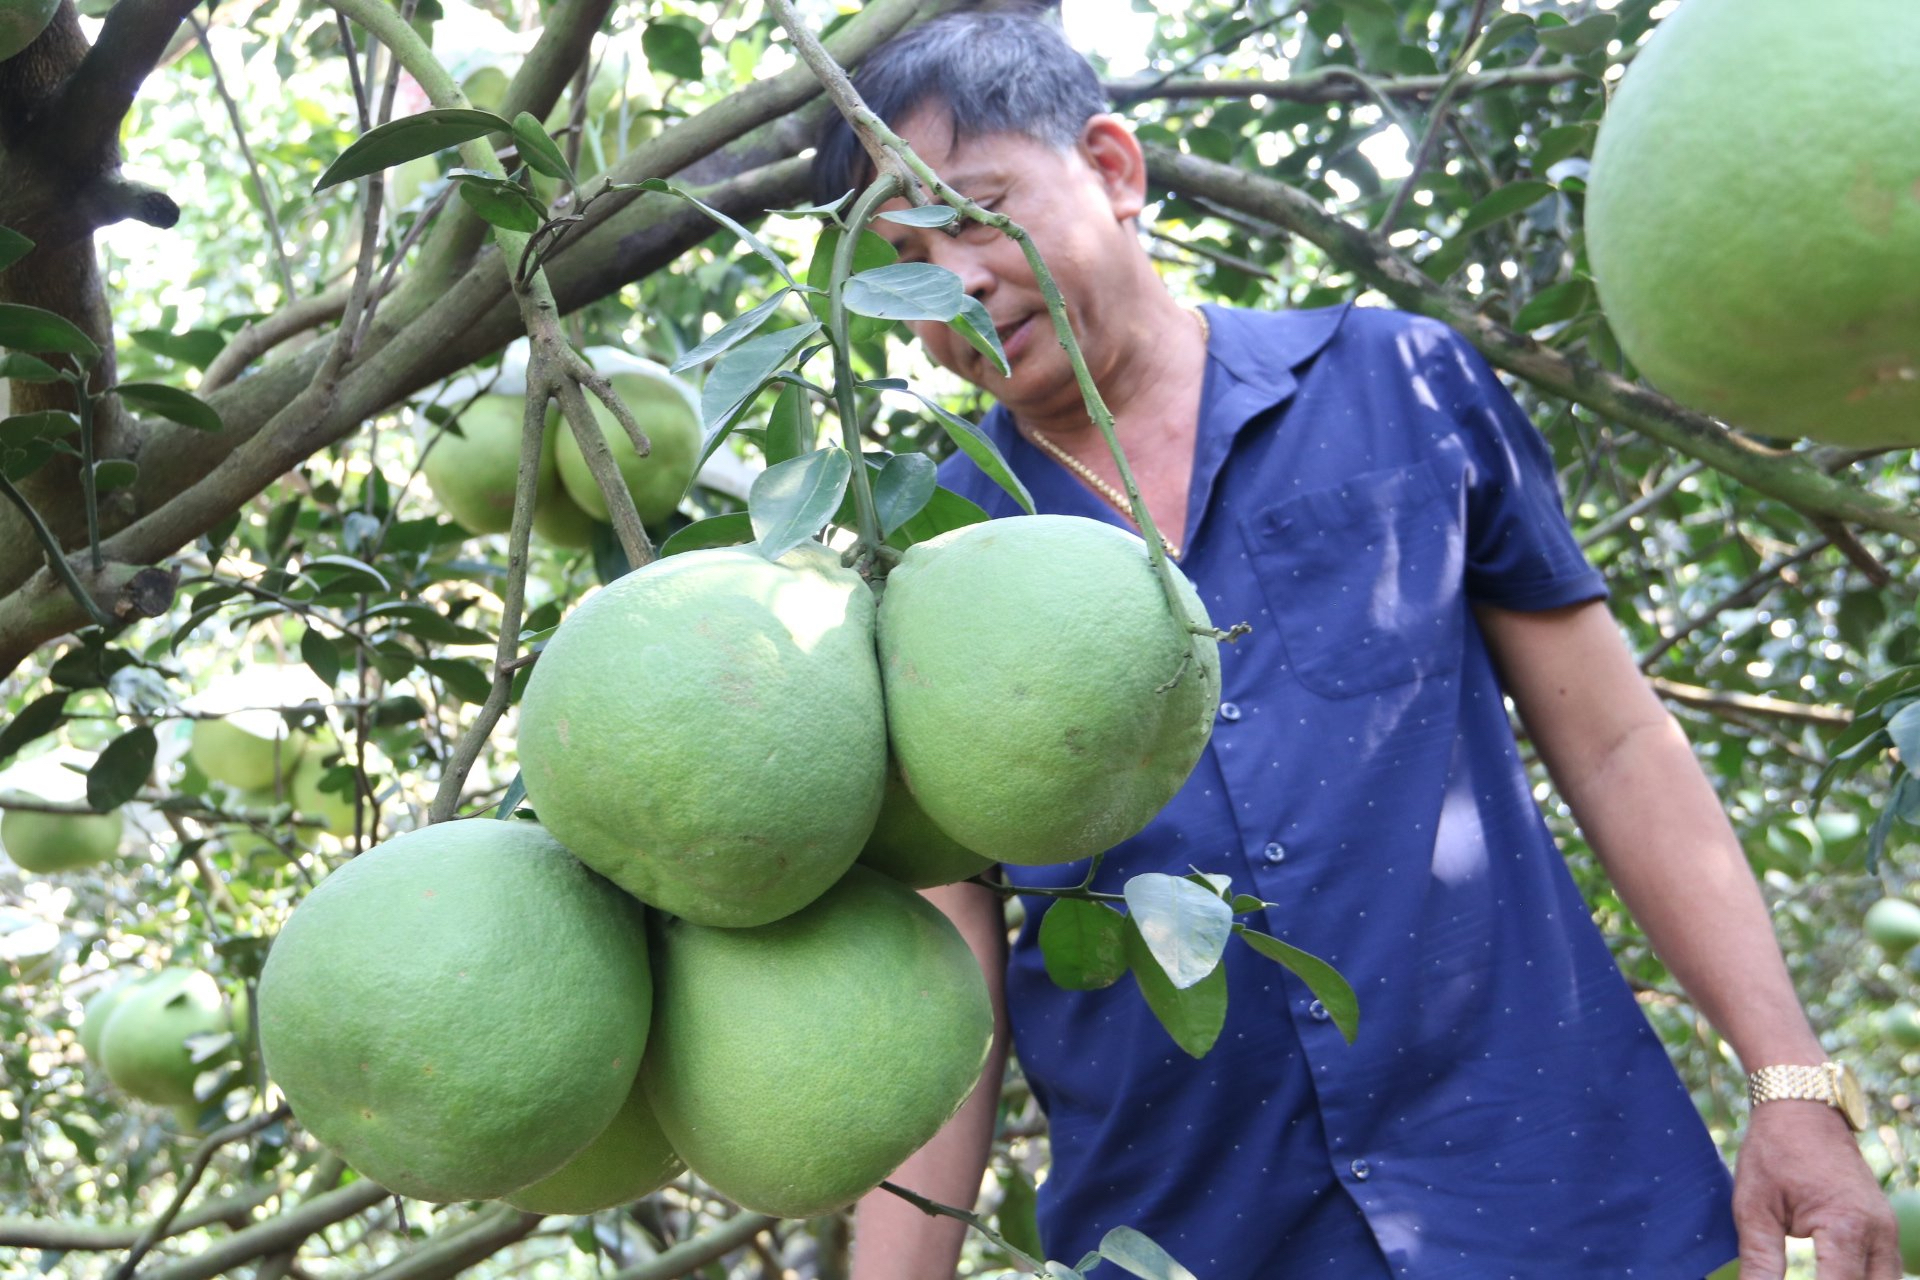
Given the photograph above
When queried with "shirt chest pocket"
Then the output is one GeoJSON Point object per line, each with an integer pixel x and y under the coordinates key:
{"type": "Point", "coordinates": [1363, 580]}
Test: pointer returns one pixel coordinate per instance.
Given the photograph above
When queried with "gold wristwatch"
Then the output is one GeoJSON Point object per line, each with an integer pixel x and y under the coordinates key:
{"type": "Point", "coordinates": [1830, 1082]}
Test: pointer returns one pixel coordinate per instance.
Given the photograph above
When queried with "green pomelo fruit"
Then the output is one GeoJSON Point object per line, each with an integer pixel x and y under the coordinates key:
{"type": "Point", "coordinates": [1753, 216]}
{"type": "Point", "coordinates": [98, 1008]}
{"type": "Point", "coordinates": [49, 842]}
{"type": "Point", "coordinates": [228, 753]}
{"type": "Point", "coordinates": [1894, 923]}
{"type": "Point", "coordinates": [144, 1045]}
{"type": "Point", "coordinates": [669, 412]}
{"type": "Point", "coordinates": [1906, 1211]}
{"type": "Point", "coordinates": [407, 182]}
{"type": "Point", "coordinates": [708, 733]}
{"type": "Point", "coordinates": [473, 474]}
{"type": "Point", "coordinates": [631, 1158]}
{"type": "Point", "coordinates": [795, 1065]}
{"type": "Point", "coordinates": [1901, 1024]}
{"type": "Point", "coordinates": [906, 844]}
{"type": "Point", "coordinates": [486, 88]}
{"type": "Point", "coordinates": [1043, 699]}
{"type": "Point", "coordinates": [334, 808]}
{"type": "Point", "coordinates": [457, 1012]}
{"type": "Point", "coordinates": [21, 22]}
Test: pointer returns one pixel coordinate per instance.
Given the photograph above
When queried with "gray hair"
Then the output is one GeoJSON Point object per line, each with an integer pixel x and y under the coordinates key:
{"type": "Point", "coordinates": [999, 72]}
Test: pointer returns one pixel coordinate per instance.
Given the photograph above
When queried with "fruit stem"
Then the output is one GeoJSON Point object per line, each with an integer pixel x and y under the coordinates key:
{"type": "Point", "coordinates": [933, 1208]}
{"type": "Point", "coordinates": [884, 188]}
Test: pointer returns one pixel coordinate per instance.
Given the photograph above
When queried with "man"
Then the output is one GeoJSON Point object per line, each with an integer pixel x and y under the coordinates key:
{"type": "Point", "coordinates": [1359, 487]}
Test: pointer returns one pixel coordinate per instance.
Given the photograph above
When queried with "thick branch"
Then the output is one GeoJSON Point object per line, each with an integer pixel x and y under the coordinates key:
{"type": "Point", "coordinates": [1720, 702]}
{"type": "Point", "coordinates": [275, 1234]}
{"type": "Point", "coordinates": [87, 111]}
{"type": "Point", "coordinates": [262, 336]}
{"type": "Point", "coordinates": [699, 1251]}
{"type": "Point", "coordinates": [76, 1237]}
{"type": "Point", "coordinates": [454, 1250]}
{"type": "Point", "coordinates": [1788, 477]}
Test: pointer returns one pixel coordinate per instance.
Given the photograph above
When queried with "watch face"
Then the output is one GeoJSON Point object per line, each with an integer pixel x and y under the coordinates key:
{"type": "Point", "coordinates": [1852, 1099]}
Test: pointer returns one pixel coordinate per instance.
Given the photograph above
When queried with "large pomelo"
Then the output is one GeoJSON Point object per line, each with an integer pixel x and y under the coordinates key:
{"type": "Point", "coordinates": [98, 1008]}
{"type": "Point", "coordinates": [473, 474]}
{"type": "Point", "coordinates": [669, 412]}
{"type": "Point", "coordinates": [1043, 700]}
{"type": "Point", "coordinates": [795, 1065]}
{"type": "Point", "coordinates": [49, 842]}
{"type": "Point", "coordinates": [631, 1158]}
{"type": "Point", "coordinates": [457, 1012]}
{"type": "Point", "coordinates": [708, 734]}
{"type": "Point", "coordinates": [248, 750]}
{"type": "Point", "coordinates": [1753, 216]}
{"type": "Point", "coordinates": [906, 844]}
{"type": "Point", "coordinates": [144, 1046]}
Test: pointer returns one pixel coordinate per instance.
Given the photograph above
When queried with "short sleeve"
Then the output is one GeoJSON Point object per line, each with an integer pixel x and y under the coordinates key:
{"type": "Point", "coordinates": [1521, 552]}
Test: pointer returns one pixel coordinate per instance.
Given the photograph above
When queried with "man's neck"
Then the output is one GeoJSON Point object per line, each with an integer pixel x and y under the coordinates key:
{"type": "Point", "coordinates": [1151, 377]}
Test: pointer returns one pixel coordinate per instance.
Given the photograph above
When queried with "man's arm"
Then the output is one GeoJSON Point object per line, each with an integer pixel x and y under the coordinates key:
{"type": "Point", "coordinates": [892, 1239]}
{"type": "Point", "coordinates": [1626, 770]}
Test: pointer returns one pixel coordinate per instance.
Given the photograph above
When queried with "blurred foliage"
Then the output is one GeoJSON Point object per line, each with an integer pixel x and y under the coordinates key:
{"type": "Point", "coordinates": [379, 615]}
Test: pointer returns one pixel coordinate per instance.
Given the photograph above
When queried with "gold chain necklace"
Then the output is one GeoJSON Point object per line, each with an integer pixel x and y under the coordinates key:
{"type": "Point", "coordinates": [1115, 499]}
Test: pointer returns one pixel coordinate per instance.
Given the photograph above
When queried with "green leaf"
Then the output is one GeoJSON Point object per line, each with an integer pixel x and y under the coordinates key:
{"type": "Point", "coordinates": [906, 291]}
{"type": "Point", "coordinates": [399, 709]}
{"type": "Point", "coordinates": [321, 656]}
{"type": "Point", "coordinates": [1193, 1017]}
{"type": "Point", "coordinates": [1562, 141]}
{"type": "Point", "coordinates": [171, 403]}
{"type": "Point", "coordinates": [1016, 1219]}
{"type": "Point", "coordinates": [747, 237]}
{"type": "Point", "coordinates": [1879, 692]}
{"type": "Point", "coordinates": [36, 720]}
{"type": "Point", "coordinates": [788, 503]}
{"type": "Point", "coordinates": [122, 767]}
{"type": "Point", "coordinates": [34, 330]}
{"type": "Point", "coordinates": [114, 473]}
{"type": "Point", "coordinates": [1589, 35]}
{"type": "Point", "coordinates": [985, 454]}
{"type": "Point", "coordinates": [927, 215]}
{"type": "Point", "coordinates": [730, 530]}
{"type": "Point", "coordinates": [904, 486]}
{"type": "Point", "coordinates": [1554, 304]}
{"type": "Point", "coordinates": [462, 678]}
{"type": "Point", "coordinates": [516, 792]}
{"type": "Point", "coordinates": [740, 375]}
{"type": "Point", "coordinates": [976, 326]}
{"type": "Point", "coordinates": [671, 50]}
{"type": "Point", "coordinates": [1904, 729]}
{"type": "Point", "coordinates": [1083, 944]}
{"type": "Point", "coordinates": [727, 335]}
{"type": "Point", "coordinates": [1503, 203]}
{"type": "Point", "coordinates": [425, 622]}
{"type": "Point", "coordinates": [1136, 1255]}
{"type": "Point", "coordinates": [1328, 987]}
{"type": "Point", "coordinates": [945, 510]}
{"type": "Point", "coordinates": [353, 574]}
{"type": "Point", "coordinates": [789, 426]}
{"type": "Point", "coordinates": [43, 424]}
{"type": "Point", "coordinates": [1185, 925]}
{"type": "Point", "coordinates": [871, 253]}
{"type": "Point", "coordinates": [13, 247]}
{"type": "Point", "coordinates": [538, 150]}
{"type": "Point", "coordinates": [501, 204]}
{"type": "Point", "coordinates": [409, 138]}
{"type": "Point", "coordinates": [23, 368]}
{"type": "Point", "coordinates": [197, 347]}
{"type": "Point", "coordinates": [1502, 29]}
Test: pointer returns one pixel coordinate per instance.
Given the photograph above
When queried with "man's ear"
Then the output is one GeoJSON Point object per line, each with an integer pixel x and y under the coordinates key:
{"type": "Point", "coordinates": [1114, 155]}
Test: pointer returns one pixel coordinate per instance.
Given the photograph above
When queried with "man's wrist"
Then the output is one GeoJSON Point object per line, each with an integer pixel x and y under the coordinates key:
{"type": "Point", "coordinates": [1829, 1083]}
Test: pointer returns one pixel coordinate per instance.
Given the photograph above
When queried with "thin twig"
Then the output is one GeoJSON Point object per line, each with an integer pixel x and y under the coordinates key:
{"type": "Point", "coordinates": [280, 263]}
{"type": "Point", "coordinates": [1749, 591]}
{"type": "Point", "coordinates": [934, 1209]}
{"type": "Point", "coordinates": [196, 1168]}
{"type": "Point", "coordinates": [56, 558]}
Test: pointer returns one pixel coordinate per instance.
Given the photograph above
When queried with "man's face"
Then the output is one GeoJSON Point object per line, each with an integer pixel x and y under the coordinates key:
{"type": "Point", "coordinates": [1077, 207]}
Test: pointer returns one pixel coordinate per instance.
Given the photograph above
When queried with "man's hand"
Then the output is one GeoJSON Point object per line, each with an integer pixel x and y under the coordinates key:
{"type": "Point", "coordinates": [1800, 1174]}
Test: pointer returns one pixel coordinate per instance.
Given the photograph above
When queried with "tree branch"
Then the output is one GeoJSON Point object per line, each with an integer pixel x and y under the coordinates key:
{"type": "Point", "coordinates": [78, 1237]}
{"type": "Point", "coordinates": [454, 1250]}
{"type": "Point", "coordinates": [699, 1251]}
{"type": "Point", "coordinates": [1335, 84]}
{"type": "Point", "coordinates": [202, 1156]}
{"type": "Point", "coordinates": [87, 111]}
{"type": "Point", "coordinates": [262, 336]}
{"type": "Point", "coordinates": [1721, 702]}
{"type": "Point", "coordinates": [1788, 477]}
{"type": "Point", "coordinates": [275, 1234]}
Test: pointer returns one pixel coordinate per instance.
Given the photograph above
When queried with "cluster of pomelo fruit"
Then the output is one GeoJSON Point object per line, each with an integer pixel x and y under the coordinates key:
{"type": "Point", "coordinates": [473, 466]}
{"type": "Point", "coordinates": [477, 1009]}
{"type": "Point", "coordinates": [268, 764]}
{"type": "Point", "coordinates": [155, 1035]}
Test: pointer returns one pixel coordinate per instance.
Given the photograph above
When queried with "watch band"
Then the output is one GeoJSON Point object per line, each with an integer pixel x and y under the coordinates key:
{"type": "Point", "coordinates": [1830, 1082]}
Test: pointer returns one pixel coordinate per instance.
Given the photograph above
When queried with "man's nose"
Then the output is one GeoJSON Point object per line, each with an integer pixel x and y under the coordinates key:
{"type": "Point", "coordinates": [965, 262]}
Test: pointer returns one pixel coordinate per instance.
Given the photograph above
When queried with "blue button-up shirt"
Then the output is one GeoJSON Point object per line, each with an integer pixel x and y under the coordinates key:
{"type": "Point", "coordinates": [1360, 478]}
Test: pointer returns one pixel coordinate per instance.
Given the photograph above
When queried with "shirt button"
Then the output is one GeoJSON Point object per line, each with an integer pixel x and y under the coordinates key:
{"type": "Point", "coordinates": [1229, 711]}
{"type": "Point", "coordinates": [1361, 1170]}
{"type": "Point", "coordinates": [1276, 852]}
{"type": "Point", "coordinates": [1318, 1012]}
